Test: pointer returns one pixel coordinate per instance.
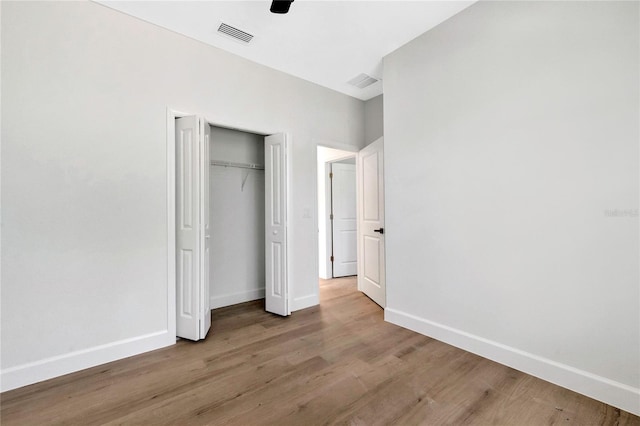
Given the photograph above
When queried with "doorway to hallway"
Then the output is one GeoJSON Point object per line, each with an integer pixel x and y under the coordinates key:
{"type": "Point", "coordinates": [369, 248]}
{"type": "Point", "coordinates": [337, 213]}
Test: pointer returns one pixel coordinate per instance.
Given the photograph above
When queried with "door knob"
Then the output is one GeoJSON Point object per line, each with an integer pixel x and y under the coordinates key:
{"type": "Point", "coordinates": [381, 230]}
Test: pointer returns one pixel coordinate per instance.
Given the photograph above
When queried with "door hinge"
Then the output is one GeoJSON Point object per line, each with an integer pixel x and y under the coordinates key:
{"type": "Point", "coordinates": [332, 258]}
{"type": "Point", "coordinates": [331, 175]}
{"type": "Point", "coordinates": [331, 216]}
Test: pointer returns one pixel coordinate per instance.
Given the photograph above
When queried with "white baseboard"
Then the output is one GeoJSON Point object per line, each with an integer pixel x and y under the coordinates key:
{"type": "Point", "coordinates": [606, 390]}
{"type": "Point", "coordinates": [235, 298]}
{"type": "Point", "coordinates": [33, 372]}
{"type": "Point", "coordinates": [247, 296]}
{"type": "Point", "coordinates": [304, 302]}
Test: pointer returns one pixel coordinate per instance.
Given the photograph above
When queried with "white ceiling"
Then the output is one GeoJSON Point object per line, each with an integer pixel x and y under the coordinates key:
{"type": "Point", "coordinates": [325, 42]}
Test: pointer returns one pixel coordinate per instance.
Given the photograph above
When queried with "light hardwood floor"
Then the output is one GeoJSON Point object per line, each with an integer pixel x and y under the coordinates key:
{"type": "Point", "coordinates": [338, 363]}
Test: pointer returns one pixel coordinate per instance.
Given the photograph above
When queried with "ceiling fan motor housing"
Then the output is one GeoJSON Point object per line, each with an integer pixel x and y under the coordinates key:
{"type": "Point", "coordinates": [280, 6]}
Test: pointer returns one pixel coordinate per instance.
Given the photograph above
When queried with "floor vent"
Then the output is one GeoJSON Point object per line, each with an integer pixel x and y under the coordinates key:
{"type": "Point", "coordinates": [235, 33]}
{"type": "Point", "coordinates": [362, 81]}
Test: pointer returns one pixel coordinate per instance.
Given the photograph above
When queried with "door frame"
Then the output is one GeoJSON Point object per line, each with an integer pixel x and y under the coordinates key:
{"type": "Point", "coordinates": [171, 115]}
{"type": "Point", "coordinates": [352, 152]}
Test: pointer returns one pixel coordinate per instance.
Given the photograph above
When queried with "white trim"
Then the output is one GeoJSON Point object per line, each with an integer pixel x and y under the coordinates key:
{"type": "Point", "coordinates": [33, 372]}
{"type": "Point", "coordinates": [601, 388]}
{"type": "Point", "coordinates": [288, 150]}
{"type": "Point", "coordinates": [328, 235]}
{"type": "Point", "coordinates": [305, 302]}
{"type": "Point", "coordinates": [240, 127]}
{"type": "Point", "coordinates": [171, 219]}
{"type": "Point", "coordinates": [344, 157]}
{"type": "Point", "coordinates": [336, 145]}
{"type": "Point", "coordinates": [235, 298]}
{"type": "Point", "coordinates": [316, 246]}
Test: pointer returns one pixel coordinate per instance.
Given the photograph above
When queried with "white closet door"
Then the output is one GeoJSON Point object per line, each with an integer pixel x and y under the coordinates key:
{"type": "Point", "coordinates": [205, 324]}
{"type": "Point", "coordinates": [191, 267]}
{"type": "Point", "coordinates": [276, 283]}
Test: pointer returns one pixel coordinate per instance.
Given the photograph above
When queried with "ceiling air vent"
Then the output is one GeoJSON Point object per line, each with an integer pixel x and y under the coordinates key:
{"type": "Point", "coordinates": [235, 33]}
{"type": "Point", "coordinates": [362, 81]}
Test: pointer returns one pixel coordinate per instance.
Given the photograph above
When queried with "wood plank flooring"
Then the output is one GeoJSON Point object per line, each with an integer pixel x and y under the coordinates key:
{"type": "Point", "coordinates": [338, 363]}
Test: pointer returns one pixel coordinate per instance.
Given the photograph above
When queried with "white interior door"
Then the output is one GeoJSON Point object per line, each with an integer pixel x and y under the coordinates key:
{"type": "Point", "coordinates": [344, 224]}
{"type": "Point", "coordinates": [371, 266]}
{"type": "Point", "coordinates": [205, 310]}
{"type": "Point", "coordinates": [191, 212]}
{"type": "Point", "coordinates": [275, 195]}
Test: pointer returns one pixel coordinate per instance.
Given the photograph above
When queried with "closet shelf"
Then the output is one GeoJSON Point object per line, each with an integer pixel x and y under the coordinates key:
{"type": "Point", "coordinates": [239, 165]}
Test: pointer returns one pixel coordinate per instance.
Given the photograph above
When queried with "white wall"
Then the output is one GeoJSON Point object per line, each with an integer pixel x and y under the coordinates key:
{"type": "Point", "coordinates": [511, 133]}
{"type": "Point", "coordinates": [84, 179]}
{"type": "Point", "coordinates": [237, 271]}
{"type": "Point", "coordinates": [236, 146]}
{"type": "Point", "coordinates": [325, 155]}
{"type": "Point", "coordinates": [373, 119]}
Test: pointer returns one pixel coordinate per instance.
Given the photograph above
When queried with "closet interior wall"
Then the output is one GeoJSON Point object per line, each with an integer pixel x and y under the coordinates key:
{"type": "Point", "coordinates": [237, 218]}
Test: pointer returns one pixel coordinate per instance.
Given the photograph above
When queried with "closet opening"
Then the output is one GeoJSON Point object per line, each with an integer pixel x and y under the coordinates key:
{"type": "Point", "coordinates": [227, 192]}
{"type": "Point", "coordinates": [236, 217]}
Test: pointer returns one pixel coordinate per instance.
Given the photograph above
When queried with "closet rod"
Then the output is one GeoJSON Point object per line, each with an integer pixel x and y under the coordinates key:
{"type": "Point", "coordinates": [240, 165]}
